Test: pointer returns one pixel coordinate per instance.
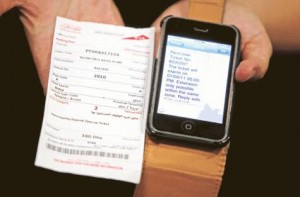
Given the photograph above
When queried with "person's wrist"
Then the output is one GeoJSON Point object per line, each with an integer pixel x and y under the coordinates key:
{"type": "Point", "coordinates": [6, 5]}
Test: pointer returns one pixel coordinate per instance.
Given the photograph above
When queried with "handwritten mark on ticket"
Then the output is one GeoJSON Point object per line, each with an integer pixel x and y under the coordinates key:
{"type": "Point", "coordinates": [98, 89]}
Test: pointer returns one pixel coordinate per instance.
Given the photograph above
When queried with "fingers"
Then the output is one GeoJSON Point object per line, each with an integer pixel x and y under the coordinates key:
{"type": "Point", "coordinates": [256, 48]}
{"type": "Point", "coordinates": [6, 5]}
{"type": "Point", "coordinates": [256, 54]}
{"type": "Point", "coordinates": [101, 11]}
{"type": "Point", "coordinates": [118, 17]}
{"type": "Point", "coordinates": [38, 18]}
{"type": "Point", "coordinates": [256, 45]}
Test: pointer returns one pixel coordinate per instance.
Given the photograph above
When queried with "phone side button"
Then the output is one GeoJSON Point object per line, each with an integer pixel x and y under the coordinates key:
{"type": "Point", "coordinates": [188, 126]}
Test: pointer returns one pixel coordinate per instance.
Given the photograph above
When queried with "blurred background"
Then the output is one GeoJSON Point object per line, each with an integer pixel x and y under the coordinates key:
{"type": "Point", "coordinates": [264, 152]}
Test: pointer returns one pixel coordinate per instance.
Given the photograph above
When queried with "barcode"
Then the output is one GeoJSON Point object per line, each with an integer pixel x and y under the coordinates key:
{"type": "Point", "coordinates": [86, 152]}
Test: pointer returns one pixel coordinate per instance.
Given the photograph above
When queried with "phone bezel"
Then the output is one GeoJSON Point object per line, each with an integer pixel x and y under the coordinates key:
{"type": "Point", "coordinates": [208, 32]}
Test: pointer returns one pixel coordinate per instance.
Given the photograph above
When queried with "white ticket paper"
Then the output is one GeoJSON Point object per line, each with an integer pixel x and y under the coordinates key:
{"type": "Point", "coordinates": [96, 104]}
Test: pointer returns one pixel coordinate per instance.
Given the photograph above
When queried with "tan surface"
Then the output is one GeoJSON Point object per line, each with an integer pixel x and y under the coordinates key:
{"type": "Point", "coordinates": [172, 169]}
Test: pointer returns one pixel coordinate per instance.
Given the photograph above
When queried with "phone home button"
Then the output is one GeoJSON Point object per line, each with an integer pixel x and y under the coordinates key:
{"type": "Point", "coordinates": [188, 126]}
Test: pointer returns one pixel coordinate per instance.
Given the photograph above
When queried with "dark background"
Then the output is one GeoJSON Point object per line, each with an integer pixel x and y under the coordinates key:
{"type": "Point", "coordinates": [264, 152]}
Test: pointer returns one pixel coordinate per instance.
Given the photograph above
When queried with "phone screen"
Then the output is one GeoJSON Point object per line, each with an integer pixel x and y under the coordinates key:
{"type": "Point", "coordinates": [194, 79]}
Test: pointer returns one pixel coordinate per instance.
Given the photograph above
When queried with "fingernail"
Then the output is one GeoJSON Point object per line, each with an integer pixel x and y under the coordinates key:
{"type": "Point", "coordinates": [252, 74]}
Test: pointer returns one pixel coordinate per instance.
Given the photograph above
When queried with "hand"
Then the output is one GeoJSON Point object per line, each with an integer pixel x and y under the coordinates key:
{"type": "Point", "coordinates": [256, 48]}
{"type": "Point", "coordinates": [38, 18]}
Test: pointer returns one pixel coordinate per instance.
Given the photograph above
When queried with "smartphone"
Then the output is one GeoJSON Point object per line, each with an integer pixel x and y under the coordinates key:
{"type": "Point", "coordinates": [193, 81]}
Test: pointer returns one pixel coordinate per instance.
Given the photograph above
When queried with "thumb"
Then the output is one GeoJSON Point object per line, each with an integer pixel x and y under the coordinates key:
{"type": "Point", "coordinates": [6, 5]}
